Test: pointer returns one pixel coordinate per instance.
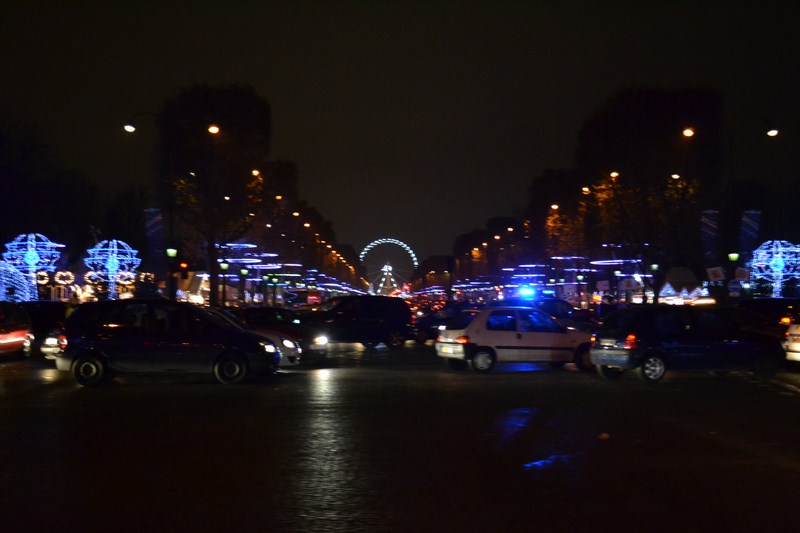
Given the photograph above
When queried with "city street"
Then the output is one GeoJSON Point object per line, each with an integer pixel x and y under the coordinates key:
{"type": "Point", "coordinates": [392, 440]}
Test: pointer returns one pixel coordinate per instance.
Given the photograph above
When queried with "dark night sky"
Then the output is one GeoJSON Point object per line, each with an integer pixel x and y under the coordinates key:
{"type": "Point", "coordinates": [410, 120]}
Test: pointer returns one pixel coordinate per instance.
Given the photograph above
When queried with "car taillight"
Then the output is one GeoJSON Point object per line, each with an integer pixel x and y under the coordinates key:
{"type": "Point", "coordinates": [631, 342]}
{"type": "Point", "coordinates": [786, 321]}
{"type": "Point", "coordinates": [464, 339]}
{"type": "Point", "coordinates": [62, 342]}
{"type": "Point", "coordinates": [593, 340]}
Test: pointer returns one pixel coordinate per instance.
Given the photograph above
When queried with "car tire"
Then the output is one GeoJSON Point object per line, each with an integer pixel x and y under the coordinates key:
{"type": "Point", "coordinates": [482, 360]}
{"type": "Point", "coordinates": [89, 370]}
{"type": "Point", "coordinates": [583, 359]}
{"type": "Point", "coordinates": [653, 368]}
{"type": "Point", "coordinates": [230, 368]}
{"type": "Point", "coordinates": [397, 339]}
{"type": "Point", "coordinates": [456, 364]}
{"type": "Point", "coordinates": [607, 372]}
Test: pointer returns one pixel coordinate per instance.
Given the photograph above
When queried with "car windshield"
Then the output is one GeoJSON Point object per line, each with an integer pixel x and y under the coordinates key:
{"type": "Point", "coordinates": [462, 320]}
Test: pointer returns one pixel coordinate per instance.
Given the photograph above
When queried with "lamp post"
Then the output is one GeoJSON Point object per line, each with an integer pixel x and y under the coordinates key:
{"type": "Point", "coordinates": [172, 282]}
{"type": "Point", "coordinates": [223, 266]}
{"type": "Point", "coordinates": [243, 282]}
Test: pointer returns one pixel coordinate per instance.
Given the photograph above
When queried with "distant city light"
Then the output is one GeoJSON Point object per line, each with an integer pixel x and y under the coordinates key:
{"type": "Point", "coordinates": [688, 132]}
{"type": "Point", "coordinates": [213, 129]}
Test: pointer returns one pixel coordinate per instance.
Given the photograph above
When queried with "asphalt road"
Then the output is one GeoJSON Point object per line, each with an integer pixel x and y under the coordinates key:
{"type": "Point", "coordinates": [386, 440]}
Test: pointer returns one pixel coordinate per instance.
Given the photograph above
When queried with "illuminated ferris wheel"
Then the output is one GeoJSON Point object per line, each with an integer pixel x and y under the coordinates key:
{"type": "Point", "coordinates": [394, 254]}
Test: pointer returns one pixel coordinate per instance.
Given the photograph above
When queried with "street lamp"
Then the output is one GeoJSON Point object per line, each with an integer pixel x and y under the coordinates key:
{"type": "Point", "coordinates": [172, 283]}
{"type": "Point", "coordinates": [224, 267]}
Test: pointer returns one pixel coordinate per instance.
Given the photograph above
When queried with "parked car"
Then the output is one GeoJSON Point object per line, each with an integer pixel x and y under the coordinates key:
{"type": "Point", "coordinates": [291, 351]}
{"type": "Point", "coordinates": [492, 335]}
{"type": "Point", "coordinates": [369, 320]}
{"type": "Point", "coordinates": [654, 339]}
{"type": "Point", "coordinates": [160, 336]}
{"type": "Point", "coordinates": [312, 340]}
{"type": "Point", "coordinates": [16, 330]}
{"type": "Point", "coordinates": [48, 318]}
{"type": "Point", "coordinates": [427, 326]}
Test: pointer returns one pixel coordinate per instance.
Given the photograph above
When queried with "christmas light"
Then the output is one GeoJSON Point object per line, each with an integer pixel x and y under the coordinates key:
{"type": "Point", "coordinates": [776, 261]}
{"type": "Point", "coordinates": [14, 286]}
{"type": "Point", "coordinates": [109, 260]}
{"type": "Point", "coordinates": [30, 253]}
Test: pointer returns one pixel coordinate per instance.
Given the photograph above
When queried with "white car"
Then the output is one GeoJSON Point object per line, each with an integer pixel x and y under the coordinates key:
{"type": "Point", "coordinates": [511, 334]}
{"type": "Point", "coordinates": [792, 343]}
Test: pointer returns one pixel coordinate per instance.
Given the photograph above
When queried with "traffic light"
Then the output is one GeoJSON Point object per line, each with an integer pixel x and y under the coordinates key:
{"type": "Point", "coordinates": [183, 268]}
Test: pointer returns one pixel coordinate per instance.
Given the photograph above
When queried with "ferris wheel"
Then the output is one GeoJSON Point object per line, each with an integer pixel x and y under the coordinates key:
{"type": "Point", "coordinates": [394, 254]}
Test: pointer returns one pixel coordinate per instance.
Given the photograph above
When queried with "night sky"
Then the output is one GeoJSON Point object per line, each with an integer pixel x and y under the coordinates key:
{"type": "Point", "coordinates": [412, 120]}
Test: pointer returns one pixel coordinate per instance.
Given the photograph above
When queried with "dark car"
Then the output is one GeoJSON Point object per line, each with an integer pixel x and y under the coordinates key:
{"type": "Point", "coordinates": [656, 338]}
{"type": "Point", "coordinates": [312, 340]}
{"type": "Point", "coordinates": [156, 336]}
{"type": "Point", "coordinates": [427, 326]}
{"type": "Point", "coordinates": [48, 319]}
{"type": "Point", "coordinates": [16, 330]}
{"type": "Point", "coordinates": [369, 320]}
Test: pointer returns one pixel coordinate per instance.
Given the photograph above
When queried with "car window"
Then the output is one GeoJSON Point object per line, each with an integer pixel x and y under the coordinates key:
{"type": "Point", "coordinates": [502, 320]}
{"type": "Point", "coordinates": [712, 321]}
{"type": "Point", "coordinates": [534, 321]}
{"type": "Point", "coordinates": [127, 317]}
{"type": "Point", "coordinates": [555, 308]}
{"type": "Point", "coordinates": [462, 320]}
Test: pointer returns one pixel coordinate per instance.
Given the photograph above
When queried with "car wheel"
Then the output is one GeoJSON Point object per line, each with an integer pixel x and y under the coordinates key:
{"type": "Point", "coordinates": [653, 368]}
{"type": "Point", "coordinates": [583, 359]}
{"type": "Point", "coordinates": [230, 368]}
{"type": "Point", "coordinates": [396, 339]}
{"type": "Point", "coordinates": [607, 372]}
{"type": "Point", "coordinates": [482, 360]}
{"type": "Point", "coordinates": [766, 366]}
{"type": "Point", "coordinates": [456, 364]}
{"type": "Point", "coordinates": [88, 370]}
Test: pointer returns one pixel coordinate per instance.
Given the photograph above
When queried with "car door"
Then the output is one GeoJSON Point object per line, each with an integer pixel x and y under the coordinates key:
{"type": "Point", "coordinates": [686, 337]}
{"type": "Point", "coordinates": [186, 338]}
{"type": "Point", "coordinates": [500, 333]}
{"type": "Point", "coordinates": [541, 338]}
{"type": "Point", "coordinates": [123, 336]}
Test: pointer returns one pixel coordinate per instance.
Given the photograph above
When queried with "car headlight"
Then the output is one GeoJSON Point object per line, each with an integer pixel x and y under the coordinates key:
{"type": "Point", "coordinates": [288, 344]}
{"type": "Point", "coordinates": [321, 340]}
{"type": "Point", "coordinates": [268, 347]}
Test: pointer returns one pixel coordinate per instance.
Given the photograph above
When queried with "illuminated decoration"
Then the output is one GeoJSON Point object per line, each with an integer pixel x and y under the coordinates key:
{"type": "Point", "coordinates": [776, 261]}
{"type": "Point", "coordinates": [387, 285]}
{"type": "Point", "coordinates": [14, 285]}
{"type": "Point", "coordinates": [64, 278]}
{"type": "Point", "coordinates": [111, 261]}
{"type": "Point", "coordinates": [395, 242]}
{"type": "Point", "coordinates": [31, 252]}
{"type": "Point", "coordinates": [42, 277]}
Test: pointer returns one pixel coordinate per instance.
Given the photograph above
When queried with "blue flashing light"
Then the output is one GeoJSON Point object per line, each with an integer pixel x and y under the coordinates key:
{"type": "Point", "coordinates": [526, 292]}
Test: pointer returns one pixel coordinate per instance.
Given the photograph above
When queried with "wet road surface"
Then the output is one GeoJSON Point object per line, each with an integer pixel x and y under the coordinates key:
{"type": "Point", "coordinates": [380, 440]}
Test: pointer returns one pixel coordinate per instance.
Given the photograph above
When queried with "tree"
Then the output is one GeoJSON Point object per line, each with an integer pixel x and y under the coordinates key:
{"type": "Point", "coordinates": [212, 179]}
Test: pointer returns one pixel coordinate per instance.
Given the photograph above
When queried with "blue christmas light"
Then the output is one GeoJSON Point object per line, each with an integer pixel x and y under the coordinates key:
{"type": "Point", "coordinates": [30, 253]}
{"type": "Point", "coordinates": [14, 286]}
{"type": "Point", "coordinates": [114, 262]}
{"type": "Point", "coordinates": [776, 261]}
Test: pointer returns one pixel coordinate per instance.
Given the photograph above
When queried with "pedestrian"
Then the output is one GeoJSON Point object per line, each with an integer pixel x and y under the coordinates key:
{"type": "Point", "coordinates": [606, 306]}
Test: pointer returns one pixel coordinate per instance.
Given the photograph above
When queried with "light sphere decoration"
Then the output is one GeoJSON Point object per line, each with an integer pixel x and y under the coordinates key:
{"type": "Point", "coordinates": [14, 285]}
{"type": "Point", "coordinates": [31, 253]}
{"type": "Point", "coordinates": [776, 261]}
{"type": "Point", "coordinates": [112, 261]}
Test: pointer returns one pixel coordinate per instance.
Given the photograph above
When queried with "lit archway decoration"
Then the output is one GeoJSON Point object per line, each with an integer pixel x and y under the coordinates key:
{"type": "Point", "coordinates": [109, 259]}
{"type": "Point", "coordinates": [14, 286]}
{"type": "Point", "coordinates": [776, 261]}
{"type": "Point", "coordinates": [394, 242]}
{"type": "Point", "coordinates": [30, 253]}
